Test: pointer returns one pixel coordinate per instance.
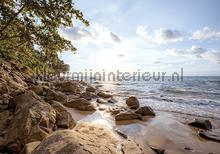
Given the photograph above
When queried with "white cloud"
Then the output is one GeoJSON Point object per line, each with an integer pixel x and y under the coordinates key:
{"type": "Point", "coordinates": [163, 36]}
{"type": "Point", "coordinates": [142, 32]}
{"type": "Point", "coordinates": [94, 34]}
{"type": "Point", "coordinates": [205, 33]}
{"type": "Point", "coordinates": [195, 53]}
{"type": "Point", "coordinates": [115, 38]}
{"type": "Point", "coordinates": [160, 36]}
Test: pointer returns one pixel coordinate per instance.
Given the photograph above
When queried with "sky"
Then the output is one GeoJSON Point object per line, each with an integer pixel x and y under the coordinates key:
{"type": "Point", "coordinates": [146, 35]}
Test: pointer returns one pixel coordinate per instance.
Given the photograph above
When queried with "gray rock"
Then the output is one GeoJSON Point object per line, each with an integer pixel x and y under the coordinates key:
{"type": "Point", "coordinates": [91, 89]}
{"type": "Point", "coordinates": [132, 102]}
{"type": "Point", "coordinates": [64, 118]}
{"type": "Point", "coordinates": [87, 95]}
{"type": "Point", "coordinates": [128, 116]}
{"type": "Point", "coordinates": [80, 104]}
{"type": "Point", "coordinates": [33, 120]}
{"type": "Point", "coordinates": [201, 123]}
{"type": "Point", "coordinates": [104, 95]}
{"type": "Point", "coordinates": [145, 111]}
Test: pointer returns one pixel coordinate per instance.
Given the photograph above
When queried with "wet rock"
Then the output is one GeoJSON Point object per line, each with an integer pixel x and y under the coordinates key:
{"type": "Point", "coordinates": [86, 139]}
{"type": "Point", "coordinates": [121, 134]}
{"type": "Point", "coordinates": [158, 150]}
{"type": "Point", "coordinates": [145, 111]}
{"type": "Point", "coordinates": [87, 95]}
{"type": "Point", "coordinates": [33, 120]}
{"type": "Point", "coordinates": [56, 95]}
{"type": "Point", "coordinates": [64, 118]}
{"type": "Point", "coordinates": [80, 104]}
{"type": "Point", "coordinates": [201, 123]}
{"type": "Point", "coordinates": [91, 89]}
{"type": "Point", "coordinates": [128, 116]}
{"type": "Point", "coordinates": [132, 102]}
{"type": "Point", "coordinates": [104, 95]}
{"type": "Point", "coordinates": [211, 134]}
{"type": "Point", "coordinates": [101, 101]}
{"type": "Point", "coordinates": [28, 148]}
{"type": "Point", "coordinates": [68, 86]}
{"type": "Point", "coordinates": [130, 147]}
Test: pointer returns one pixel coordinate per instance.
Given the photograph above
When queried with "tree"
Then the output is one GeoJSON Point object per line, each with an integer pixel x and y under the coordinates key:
{"type": "Point", "coordinates": [29, 31]}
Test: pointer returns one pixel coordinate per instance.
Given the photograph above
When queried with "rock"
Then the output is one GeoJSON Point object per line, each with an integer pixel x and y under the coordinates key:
{"type": "Point", "coordinates": [33, 120]}
{"type": "Point", "coordinates": [80, 104]}
{"type": "Point", "coordinates": [2, 145]}
{"type": "Point", "coordinates": [130, 147]}
{"type": "Point", "coordinates": [64, 118]}
{"type": "Point", "coordinates": [68, 86]}
{"type": "Point", "coordinates": [38, 89]}
{"type": "Point", "coordinates": [128, 116]}
{"type": "Point", "coordinates": [86, 139]}
{"type": "Point", "coordinates": [201, 123]}
{"type": "Point", "coordinates": [101, 101]}
{"type": "Point", "coordinates": [30, 81]}
{"type": "Point", "coordinates": [211, 134]}
{"type": "Point", "coordinates": [87, 95]}
{"type": "Point", "coordinates": [104, 95]}
{"type": "Point", "coordinates": [145, 111]}
{"type": "Point", "coordinates": [132, 102]}
{"type": "Point", "coordinates": [4, 120]}
{"type": "Point", "coordinates": [56, 95]}
{"type": "Point", "coordinates": [13, 147]}
{"type": "Point", "coordinates": [3, 107]}
{"type": "Point", "coordinates": [28, 148]}
{"type": "Point", "coordinates": [158, 150]}
{"type": "Point", "coordinates": [91, 89]}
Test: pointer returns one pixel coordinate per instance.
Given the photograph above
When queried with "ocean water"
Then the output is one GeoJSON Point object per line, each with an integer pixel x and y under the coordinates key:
{"type": "Point", "coordinates": [198, 96]}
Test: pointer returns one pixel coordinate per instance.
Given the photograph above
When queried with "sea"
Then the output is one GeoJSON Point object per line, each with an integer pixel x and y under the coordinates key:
{"type": "Point", "coordinates": [199, 96]}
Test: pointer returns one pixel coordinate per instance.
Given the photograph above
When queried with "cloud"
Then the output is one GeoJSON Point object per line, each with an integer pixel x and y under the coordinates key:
{"type": "Point", "coordinates": [75, 33]}
{"type": "Point", "coordinates": [195, 53]}
{"type": "Point", "coordinates": [94, 34]}
{"type": "Point", "coordinates": [160, 36]}
{"type": "Point", "coordinates": [142, 32]}
{"type": "Point", "coordinates": [121, 55]}
{"type": "Point", "coordinates": [115, 38]}
{"type": "Point", "coordinates": [205, 33]}
{"type": "Point", "coordinates": [163, 36]}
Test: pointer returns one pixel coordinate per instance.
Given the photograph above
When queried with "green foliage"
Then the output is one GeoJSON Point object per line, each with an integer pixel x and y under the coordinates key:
{"type": "Point", "coordinates": [29, 32]}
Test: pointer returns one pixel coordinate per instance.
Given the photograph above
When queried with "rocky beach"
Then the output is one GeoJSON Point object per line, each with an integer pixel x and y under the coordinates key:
{"type": "Point", "coordinates": [68, 116]}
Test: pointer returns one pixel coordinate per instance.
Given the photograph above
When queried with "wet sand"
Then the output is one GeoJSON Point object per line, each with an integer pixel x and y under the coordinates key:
{"type": "Point", "coordinates": [166, 130]}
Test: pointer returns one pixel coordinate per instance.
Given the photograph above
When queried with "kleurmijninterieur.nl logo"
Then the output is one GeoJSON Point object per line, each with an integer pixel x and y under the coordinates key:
{"type": "Point", "coordinates": [89, 75]}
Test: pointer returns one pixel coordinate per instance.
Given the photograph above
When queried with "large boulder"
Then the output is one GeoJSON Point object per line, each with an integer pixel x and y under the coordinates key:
{"type": "Point", "coordinates": [68, 86]}
{"type": "Point", "coordinates": [201, 123]}
{"type": "Point", "coordinates": [86, 140]}
{"type": "Point", "coordinates": [132, 102]}
{"type": "Point", "coordinates": [87, 95]}
{"type": "Point", "coordinates": [64, 118]}
{"type": "Point", "coordinates": [145, 111]}
{"type": "Point", "coordinates": [56, 95]}
{"type": "Point", "coordinates": [104, 95]}
{"type": "Point", "coordinates": [91, 89]}
{"type": "Point", "coordinates": [80, 104]}
{"type": "Point", "coordinates": [33, 120]}
{"type": "Point", "coordinates": [128, 116]}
